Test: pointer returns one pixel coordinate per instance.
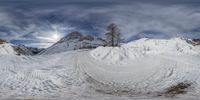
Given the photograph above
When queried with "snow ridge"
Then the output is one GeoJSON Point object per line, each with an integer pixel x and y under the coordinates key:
{"type": "Point", "coordinates": [74, 41]}
{"type": "Point", "coordinates": [143, 47]}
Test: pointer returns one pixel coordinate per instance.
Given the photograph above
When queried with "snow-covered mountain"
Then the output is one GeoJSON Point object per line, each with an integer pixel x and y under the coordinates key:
{"type": "Point", "coordinates": [23, 50]}
{"type": "Point", "coordinates": [74, 41]}
{"type": "Point", "coordinates": [7, 49]}
{"type": "Point", "coordinates": [11, 49]}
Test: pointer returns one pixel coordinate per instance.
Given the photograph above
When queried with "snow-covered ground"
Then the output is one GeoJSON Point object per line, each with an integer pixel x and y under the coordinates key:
{"type": "Point", "coordinates": [7, 49]}
{"type": "Point", "coordinates": [138, 70]}
{"type": "Point", "coordinates": [142, 48]}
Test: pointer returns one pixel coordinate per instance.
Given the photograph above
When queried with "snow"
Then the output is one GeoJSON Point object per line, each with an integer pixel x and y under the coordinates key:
{"type": "Point", "coordinates": [140, 48]}
{"type": "Point", "coordinates": [139, 70]}
{"type": "Point", "coordinates": [38, 76]}
{"type": "Point", "coordinates": [7, 49]}
{"type": "Point", "coordinates": [69, 46]}
{"type": "Point", "coordinates": [73, 41]}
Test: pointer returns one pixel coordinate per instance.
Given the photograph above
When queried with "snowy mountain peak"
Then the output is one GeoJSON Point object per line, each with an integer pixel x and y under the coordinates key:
{"type": "Point", "coordinates": [71, 36]}
{"type": "Point", "coordinates": [74, 41]}
{"type": "Point", "coordinates": [76, 36]}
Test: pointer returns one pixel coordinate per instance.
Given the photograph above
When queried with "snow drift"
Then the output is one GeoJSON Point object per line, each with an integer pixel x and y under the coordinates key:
{"type": "Point", "coordinates": [143, 47]}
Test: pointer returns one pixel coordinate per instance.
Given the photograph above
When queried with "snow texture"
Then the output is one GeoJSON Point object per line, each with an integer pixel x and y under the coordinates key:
{"type": "Point", "coordinates": [143, 47]}
{"type": "Point", "coordinates": [73, 41]}
{"type": "Point", "coordinates": [7, 49]}
{"type": "Point", "coordinates": [139, 70]}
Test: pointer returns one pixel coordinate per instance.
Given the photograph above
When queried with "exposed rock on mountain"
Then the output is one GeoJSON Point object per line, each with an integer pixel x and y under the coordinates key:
{"type": "Point", "coordinates": [3, 41]}
{"type": "Point", "coordinates": [23, 50]}
{"type": "Point", "coordinates": [11, 49]}
{"type": "Point", "coordinates": [195, 41]}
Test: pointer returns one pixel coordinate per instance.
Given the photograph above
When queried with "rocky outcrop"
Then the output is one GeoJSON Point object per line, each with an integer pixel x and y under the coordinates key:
{"type": "Point", "coordinates": [2, 41]}
{"type": "Point", "coordinates": [23, 50]}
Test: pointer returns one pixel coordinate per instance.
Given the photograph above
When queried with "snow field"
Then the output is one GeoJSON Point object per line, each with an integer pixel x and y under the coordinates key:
{"type": "Point", "coordinates": [140, 69]}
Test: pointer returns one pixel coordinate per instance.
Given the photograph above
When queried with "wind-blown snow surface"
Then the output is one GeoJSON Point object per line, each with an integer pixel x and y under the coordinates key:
{"type": "Point", "coordinates": [138, 73]}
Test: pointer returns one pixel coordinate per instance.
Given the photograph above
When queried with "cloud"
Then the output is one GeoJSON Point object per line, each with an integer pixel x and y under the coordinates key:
{"type": "Point", "coordinates": [33, 24]}
{"type": "Point", "coordinates": [171, 20]}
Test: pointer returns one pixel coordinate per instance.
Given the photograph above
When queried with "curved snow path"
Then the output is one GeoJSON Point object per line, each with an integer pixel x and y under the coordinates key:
{"type": "Point", "coordinates": [76, 74]}
{"type": "Point", "coordinates": [139, 70]}
{"type": "Point", "coordinates": [149, 74]}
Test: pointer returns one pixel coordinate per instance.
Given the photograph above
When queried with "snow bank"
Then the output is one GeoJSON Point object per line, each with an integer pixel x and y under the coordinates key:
{"type": "Point", "coordinates": [141, 48]}
{"type": "Point", "coordinates": [7, 49]}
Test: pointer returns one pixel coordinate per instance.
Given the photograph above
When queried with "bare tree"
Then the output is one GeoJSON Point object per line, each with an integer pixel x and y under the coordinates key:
{"type": "Point", "coordinates": [113, 35]}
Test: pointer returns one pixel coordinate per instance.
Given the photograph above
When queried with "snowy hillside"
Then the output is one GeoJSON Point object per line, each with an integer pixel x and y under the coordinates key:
{"type": "Point", "coordinates": [143, 69]}
{"type": "Point", "coordinates": [23, 50]}
{"type": "Point", "coordinates": [7, 49]}
{"type": "Point", "coordinates": [74, 41]}
{"type": "Point", "coordinates": [11, 49]}
{"type": "Point", "coordinates": [144, 47]}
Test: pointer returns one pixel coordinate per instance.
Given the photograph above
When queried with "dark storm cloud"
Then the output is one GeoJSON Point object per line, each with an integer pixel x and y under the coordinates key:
{"type": "Point", "coordinates": [32, 22]}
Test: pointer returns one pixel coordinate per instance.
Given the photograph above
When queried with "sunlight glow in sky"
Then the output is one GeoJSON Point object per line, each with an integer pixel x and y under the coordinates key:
{"type": "Point", "coordinates": [55, 36]}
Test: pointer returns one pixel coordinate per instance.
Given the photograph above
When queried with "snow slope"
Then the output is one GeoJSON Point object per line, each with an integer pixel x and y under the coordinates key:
{"type": "Point", "coordinates": [77, 75]}
{"type": "Point", "coordinates": [11, 49]}
{"type": "Point", "coordinates": [38, 76]}
{"type": "Point", "coordinates": [140, 48]}
{"type": "Point", "coordinates": [74, 41]}
{"type": "Point", "coordinates": [7, 49]}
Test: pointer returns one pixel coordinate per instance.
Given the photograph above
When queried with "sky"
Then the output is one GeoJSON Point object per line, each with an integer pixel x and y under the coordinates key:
{"type": "Point", "coordinates": [40, 23]}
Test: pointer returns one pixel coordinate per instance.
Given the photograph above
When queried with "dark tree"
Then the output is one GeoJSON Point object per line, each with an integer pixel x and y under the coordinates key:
{"type": "Point", "coordinates": [113, 35]}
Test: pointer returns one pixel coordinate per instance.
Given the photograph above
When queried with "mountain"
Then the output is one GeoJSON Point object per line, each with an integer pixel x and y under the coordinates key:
{"type": "Point", "coordinates": [23, 50]}
{"type": "Point", "coordinates": [74, 41]}
{"type": "Point", "coordinates": [11, 49]}
{"type": "Point", "coordinates": [149, 34]}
